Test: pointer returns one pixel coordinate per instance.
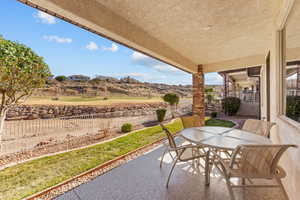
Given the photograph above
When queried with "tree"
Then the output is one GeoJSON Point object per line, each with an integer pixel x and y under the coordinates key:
{"type": "Point", "coordinates": [61, 78]}
{"type": "Point", "coordinates": [21, 71]}
{"type": "Point", "coordinates": [173, 100]}
{"type": "Point", "coordinates": [209, 95]}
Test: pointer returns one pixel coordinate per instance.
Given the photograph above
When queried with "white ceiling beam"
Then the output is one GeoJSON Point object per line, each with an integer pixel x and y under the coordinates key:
{"type": "Point", "coordinates": [239, 63]}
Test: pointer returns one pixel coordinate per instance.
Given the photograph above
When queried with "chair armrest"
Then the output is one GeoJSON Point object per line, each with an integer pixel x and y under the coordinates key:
{"type": "Point", "coordinates": [183, 147]}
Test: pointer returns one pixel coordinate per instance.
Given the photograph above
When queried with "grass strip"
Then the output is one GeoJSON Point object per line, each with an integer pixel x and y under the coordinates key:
{"type": "Point", "coordinates": [34, 176]}
{"type": "Point", "coordinates": [31, 177]}
{"type": "Point", "coordinates": [219, 122]}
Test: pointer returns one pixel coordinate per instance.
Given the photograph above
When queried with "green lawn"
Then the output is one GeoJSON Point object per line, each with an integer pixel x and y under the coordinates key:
{"type": "Point", "coordinates": [218, 122]}
{"type": "Point", "coordinates": [31, 177]}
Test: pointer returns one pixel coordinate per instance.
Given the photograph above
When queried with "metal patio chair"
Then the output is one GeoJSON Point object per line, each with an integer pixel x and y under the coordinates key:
{"type": "Point", "coordinates": [184, 153]}
{"type": "Point", "coordinates": [253, 162]}
{"type": "Point", "coordinates": [258, 127]}
{"type": "Point", "coordinates": [187, 122]}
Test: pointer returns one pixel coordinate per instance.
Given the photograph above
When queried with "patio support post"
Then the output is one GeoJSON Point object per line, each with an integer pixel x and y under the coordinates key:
{"type": "Point", "coordinates": [298, 81]}
{"type": "Point", "coordinates": [226, 85]}
{"type": "Point", "coordinates": [198, 96]}
{"type": "Point", "coordinates": [234, 88]}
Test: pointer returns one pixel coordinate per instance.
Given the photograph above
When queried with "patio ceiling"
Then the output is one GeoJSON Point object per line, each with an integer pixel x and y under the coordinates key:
{"type": "Point", "coordinates": [217, 34]}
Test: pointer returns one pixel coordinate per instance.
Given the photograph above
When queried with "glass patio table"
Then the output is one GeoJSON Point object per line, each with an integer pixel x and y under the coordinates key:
{"type": "Point", "coordinates": [220, 138]}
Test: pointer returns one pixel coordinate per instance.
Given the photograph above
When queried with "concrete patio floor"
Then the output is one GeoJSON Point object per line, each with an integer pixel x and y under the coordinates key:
{"type": "Point", "coordinates": [142, 179]}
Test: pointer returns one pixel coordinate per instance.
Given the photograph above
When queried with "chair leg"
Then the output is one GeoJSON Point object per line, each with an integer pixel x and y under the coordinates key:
{"type": "Point", "coordinates": [162, 158]}
{"type": "Point", "coordinates": [171, 172]}
{"type": "Point", "coordinates": [278, 180]}
{"type": "Point", "coordinates": [228, 184]}
{"type": "Point", "coordinates": [171, 155]}
{"type": "Point", "coordinates": [243, 181]}
{"type": "Point", "coordinates": [207, 168]}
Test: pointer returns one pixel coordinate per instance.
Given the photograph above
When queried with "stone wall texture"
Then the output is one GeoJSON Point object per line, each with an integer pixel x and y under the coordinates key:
{"type": "Point", "coordinates": [26, 112]}
{"type": "Point", "coordinates": [198, 96]}
{"type": "Point", "coordinates": [53, 111]}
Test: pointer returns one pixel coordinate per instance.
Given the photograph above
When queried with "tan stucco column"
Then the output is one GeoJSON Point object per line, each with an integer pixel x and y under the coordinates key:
{"type": "Point", "coordinates": [198, 96]}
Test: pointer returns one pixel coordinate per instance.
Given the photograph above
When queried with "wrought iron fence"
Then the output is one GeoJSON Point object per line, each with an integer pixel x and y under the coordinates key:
{"type": "Point", "coordinates": [29, 128]}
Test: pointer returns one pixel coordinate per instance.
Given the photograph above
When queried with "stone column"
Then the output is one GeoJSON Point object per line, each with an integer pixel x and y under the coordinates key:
{"type": "Point", "coordinates": [198, 96]}
{"type": "Point", "coordinates": [234, 88]}
{"type": "Point", "coordinates": [226, 85]}
{"type": "Point", "coordinates": [298, 81]}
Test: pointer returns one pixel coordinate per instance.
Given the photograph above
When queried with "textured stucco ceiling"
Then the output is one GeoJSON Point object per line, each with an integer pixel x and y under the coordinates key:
{"type": "Point", "coordinates": [204, 31]}
{"type": "Point", "coordinates": [181, 33]}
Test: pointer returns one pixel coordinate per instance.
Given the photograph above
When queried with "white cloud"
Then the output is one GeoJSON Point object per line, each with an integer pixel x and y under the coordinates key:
{"type": "Point", "coordinates": [142, 59]}
{"type": "Point", "coordinates": [213, 79]}
{"type": "Point", "coordinates": [113, 48]}
{"type": "Point", "coordinates": [165, 68]}
{"type": "Point", "coordinates": [92, 46]}
{"type": "Point", "coordinates": [45, 18]}
{"type": "Point", "coordinates": [139, 56]}
{"type": "Point", "coordinates": [55, 38]}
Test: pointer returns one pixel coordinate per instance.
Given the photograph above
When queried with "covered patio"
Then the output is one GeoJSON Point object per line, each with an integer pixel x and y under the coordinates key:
{"type": "Point", "coordinates": [197, 37]}
{"type": "Point", "coordinates": [143, 179]}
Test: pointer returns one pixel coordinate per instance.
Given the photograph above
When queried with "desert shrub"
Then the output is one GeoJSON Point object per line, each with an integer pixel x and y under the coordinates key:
{"type": "Point", "coordinates": [172, 99]}
{"type": "Point", "coordinates": [55, 98]}
{"type": "Point", "coordinates": [127, 127]}
{"type": "Point", "coordinates": [161, 113]}
{"type": "Point", "coordinates": [61, 78]}
{"type": "Point", "coordinates": [293, 107]}
{"type": "Point", "coordinates": [231, 105]}
{"type": "Point", "coordinates": [214, 114]}
{"type": "Point", "coordinates": [105, 98]}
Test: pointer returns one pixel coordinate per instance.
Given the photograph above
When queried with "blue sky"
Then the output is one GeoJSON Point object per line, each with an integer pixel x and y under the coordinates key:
{"type": "Point", "coordinates": [68, 49]}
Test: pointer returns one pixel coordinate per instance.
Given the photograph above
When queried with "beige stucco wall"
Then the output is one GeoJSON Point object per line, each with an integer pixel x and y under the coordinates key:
{"type": "Point", "coordinates": [263, 93]}
{"type": "Point", "coordinates": [286, 131]}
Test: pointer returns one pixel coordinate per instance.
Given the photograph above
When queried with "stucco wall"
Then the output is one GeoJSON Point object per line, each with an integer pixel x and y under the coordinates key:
{"type": "Point", "coordinates": [284, 132]}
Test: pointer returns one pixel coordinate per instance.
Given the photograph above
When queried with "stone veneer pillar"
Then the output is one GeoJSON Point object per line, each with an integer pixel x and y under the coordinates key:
{"type": "Point", "coordinates": [298, 81]}
{"type": "Point", "coordinates": [198, 96]}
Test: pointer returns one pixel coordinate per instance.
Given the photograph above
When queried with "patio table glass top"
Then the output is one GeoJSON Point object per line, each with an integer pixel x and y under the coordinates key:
{"type": "Point", "coordinates": [221, 137]}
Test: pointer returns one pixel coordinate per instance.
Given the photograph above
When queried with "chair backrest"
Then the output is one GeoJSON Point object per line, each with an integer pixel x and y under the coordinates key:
{"type": "Point", "coordinates": [188, 121]}
{"type": "Point", "coordinates": [258, 160]}
{"type": "Point", "coordinates": [258, 126]}
{"type": "Point", "coordinates": [169, 136]}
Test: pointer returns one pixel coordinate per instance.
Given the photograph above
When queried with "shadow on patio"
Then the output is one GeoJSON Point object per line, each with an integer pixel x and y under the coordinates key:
{"type": "Point", "coordinates": [143, 179]}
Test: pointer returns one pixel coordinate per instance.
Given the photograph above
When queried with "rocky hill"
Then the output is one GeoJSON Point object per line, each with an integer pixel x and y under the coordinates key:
{"type": "Point", "coordinates": [108, 86]}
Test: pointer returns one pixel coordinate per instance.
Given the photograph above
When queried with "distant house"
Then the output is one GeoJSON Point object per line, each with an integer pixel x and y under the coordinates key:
{"type": "Point", "coordinates": [79, 78]}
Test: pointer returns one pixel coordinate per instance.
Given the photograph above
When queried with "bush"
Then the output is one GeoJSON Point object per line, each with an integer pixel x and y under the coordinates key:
{"type": "Point", "coordinates": [293, 107]}
{"type": "Point", "coordinates": [127, 127]}
{"type": "Point", "coordinates": [231, 105]}
{"type": "Point", "coordinates": [55, 98]}
{"type": "Point", "coordinates": [161, 113]}
{"type": "Point", "coordinates": [214, 114]}
{"type": "Point", "coordinates": [171, 98]}
{"type": "Point", "coordinates": [60, 78]}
